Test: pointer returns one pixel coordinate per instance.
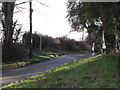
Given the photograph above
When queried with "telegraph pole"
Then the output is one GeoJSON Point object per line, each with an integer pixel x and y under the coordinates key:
{"type": "Point", "coordinates": [40, 43]}
{"type": "Point", "coordinates": [30, 47]}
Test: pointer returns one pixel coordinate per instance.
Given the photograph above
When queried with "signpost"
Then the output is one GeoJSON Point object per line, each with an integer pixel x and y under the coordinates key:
{"type": "Point", "coordinates": [100, 23]}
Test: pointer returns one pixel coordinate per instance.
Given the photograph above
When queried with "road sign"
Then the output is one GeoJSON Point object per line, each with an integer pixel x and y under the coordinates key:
{"type": "Point", "coordinates": [98, 23]}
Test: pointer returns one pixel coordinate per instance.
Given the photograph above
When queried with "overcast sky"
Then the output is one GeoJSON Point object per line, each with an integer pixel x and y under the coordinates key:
{"type": "Point", "coordinates": [49, 20]}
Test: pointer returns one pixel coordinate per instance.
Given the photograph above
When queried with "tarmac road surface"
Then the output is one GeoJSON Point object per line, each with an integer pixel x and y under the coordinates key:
{"type": "Point", "coordinates": [14, 75]}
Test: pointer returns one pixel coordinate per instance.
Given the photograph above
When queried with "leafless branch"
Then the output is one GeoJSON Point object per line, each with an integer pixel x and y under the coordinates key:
{"type": "Point", "coordinates": [21, 3]}
{"type": "Point", "coordinates": [41, 3]}
{"type": "Point", "coordinates": [21, 7]}
{"type": "Point", "coordinates": [18, 9]}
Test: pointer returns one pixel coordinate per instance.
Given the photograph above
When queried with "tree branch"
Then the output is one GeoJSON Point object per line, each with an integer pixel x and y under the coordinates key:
{"type": "Point", "coordinates": [41, 3]}
{"type": "Point", "coordinates": [21, 3]}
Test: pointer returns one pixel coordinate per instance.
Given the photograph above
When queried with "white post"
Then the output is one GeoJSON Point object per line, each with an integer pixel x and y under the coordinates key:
{"type": "Point", "coordinates": [93, 49]}
{"type": "Point", "coordinates": [103, 42]}
{"type": "Point", "coordinates": [117, 45]}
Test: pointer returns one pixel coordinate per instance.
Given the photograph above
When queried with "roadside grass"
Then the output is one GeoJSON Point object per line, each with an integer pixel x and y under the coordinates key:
{"type": "Point", "coordinates": [37, 58]}
{"type": "Point", "coordinates": [50, 54]}
{"type": "Point", "coordinates": [56, 54]}
{"type": "Point", "coordinates": [72, 52]}
{"type": "Point", "coordinates": [92, 72]}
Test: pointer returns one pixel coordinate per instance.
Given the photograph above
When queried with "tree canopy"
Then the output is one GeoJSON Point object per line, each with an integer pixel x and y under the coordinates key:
{"type": "Point", "coordinates": [84, 14]}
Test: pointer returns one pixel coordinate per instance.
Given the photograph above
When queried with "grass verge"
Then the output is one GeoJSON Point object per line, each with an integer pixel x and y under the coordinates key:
{"type": "Point", "coordinates": [93, 72]}
{"type": "Point", "coordinates": [50, 54]}
{"type": "Point", "coordinates": [6, 66]}
{"type": "Point", "coordinates": [42, 56]}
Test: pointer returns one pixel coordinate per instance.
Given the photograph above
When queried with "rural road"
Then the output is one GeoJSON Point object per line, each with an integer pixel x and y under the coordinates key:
{"type": "Point", "coordinates": [23, 72]}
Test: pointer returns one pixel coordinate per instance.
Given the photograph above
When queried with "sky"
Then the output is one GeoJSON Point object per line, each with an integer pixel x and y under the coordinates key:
{"type": "Point", "coordinates": [48, 20]}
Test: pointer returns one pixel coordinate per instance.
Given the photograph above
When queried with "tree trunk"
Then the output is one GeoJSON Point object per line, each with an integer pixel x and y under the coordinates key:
{"type": "Point", "coordinates": [8, 8]}
{"type": "Point", "coordinates": [8, 28]}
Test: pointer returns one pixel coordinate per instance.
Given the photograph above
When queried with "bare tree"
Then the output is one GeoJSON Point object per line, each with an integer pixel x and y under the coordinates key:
{"type": "Point", "coordinates": [7, 22]}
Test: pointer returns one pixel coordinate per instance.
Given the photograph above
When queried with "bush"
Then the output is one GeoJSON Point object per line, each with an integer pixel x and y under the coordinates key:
{"type": "Point", "coordinates": [47, 42]}
{"type": "Point", "coordinates": [54, 44]}
{"type": "Point", "coordinates": [14, 52]}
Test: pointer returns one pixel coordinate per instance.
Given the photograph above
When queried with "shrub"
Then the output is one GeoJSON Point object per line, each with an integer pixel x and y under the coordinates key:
{"type": "Point", "coordinates": [14, 52]}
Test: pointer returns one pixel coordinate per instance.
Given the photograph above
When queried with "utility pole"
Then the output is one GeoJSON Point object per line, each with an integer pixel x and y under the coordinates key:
{"type": "Point", "coordinates": [40, 43]}
{"type": "Point", "coordinates": [30, 47]}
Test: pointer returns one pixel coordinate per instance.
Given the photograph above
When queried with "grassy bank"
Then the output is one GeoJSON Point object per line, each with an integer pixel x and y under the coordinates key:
{"type": "Point", "coordinates": [43, 56]}
{"type": "Point", "coordinates": [93, 72]}
{"type": "Point", "coordinates": [49, 54]}
{"type": "Point", "coordinates": [36, 59]}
